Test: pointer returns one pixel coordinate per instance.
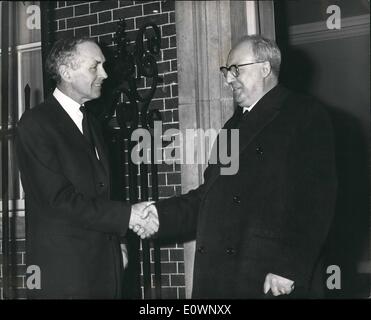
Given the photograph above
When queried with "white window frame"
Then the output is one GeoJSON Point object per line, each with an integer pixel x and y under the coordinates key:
{"type": "Point", "coordinates": [19, 204]}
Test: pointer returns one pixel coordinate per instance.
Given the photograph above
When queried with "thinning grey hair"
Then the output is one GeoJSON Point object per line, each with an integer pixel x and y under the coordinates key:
{"type": "Point", "coordinates": [265, 50]}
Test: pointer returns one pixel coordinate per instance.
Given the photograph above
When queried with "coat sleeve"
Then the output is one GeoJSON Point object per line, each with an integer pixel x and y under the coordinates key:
{"type": "Point", "coordinates": [311, 185]}
{"type": "Point", "coordinates": [178, 216]}
{"type": "Point", "coordinates": [42, 177]}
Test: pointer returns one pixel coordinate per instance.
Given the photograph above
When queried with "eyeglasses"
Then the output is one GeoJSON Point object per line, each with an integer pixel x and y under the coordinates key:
{"type": "Point", "coordinates": [234, 68]}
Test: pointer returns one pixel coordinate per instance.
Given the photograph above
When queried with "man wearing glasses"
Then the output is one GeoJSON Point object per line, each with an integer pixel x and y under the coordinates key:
{"type": "Point", "coordinates": [260, 232]}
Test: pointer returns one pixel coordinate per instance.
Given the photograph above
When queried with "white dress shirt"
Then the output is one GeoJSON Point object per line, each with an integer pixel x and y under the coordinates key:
{"type": "Point", "coordinates": [249, 108]}
{"type": "Point", "coordinates": [72, 108]}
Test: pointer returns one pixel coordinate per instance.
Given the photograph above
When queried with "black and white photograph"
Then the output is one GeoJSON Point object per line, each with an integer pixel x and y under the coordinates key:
{"type": "Point", "coordinates": [183, 155]}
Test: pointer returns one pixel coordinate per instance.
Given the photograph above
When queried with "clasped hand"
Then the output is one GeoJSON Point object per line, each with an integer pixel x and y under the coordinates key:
{"type": "Point", "coordinates": [278, 285]}
{"type": "Point", "coordinates": [144, 219]}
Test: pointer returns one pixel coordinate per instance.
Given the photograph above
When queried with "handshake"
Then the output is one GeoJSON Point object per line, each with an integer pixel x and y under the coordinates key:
{"type": "Point", "coordinates": [144, 219]}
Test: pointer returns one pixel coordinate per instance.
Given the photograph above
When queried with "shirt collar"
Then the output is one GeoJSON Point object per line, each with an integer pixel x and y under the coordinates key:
{"type": "Point", "coordinates": [68, 104]}
{"type": "Point", "coordinates": [250, 107]}
{"type": "Point", "coordinates": [253, 105]}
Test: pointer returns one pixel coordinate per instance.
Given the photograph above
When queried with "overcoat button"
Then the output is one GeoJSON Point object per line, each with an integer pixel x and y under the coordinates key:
{"type": "Point", "coordinates": [201, 249]}
{"type": "Point", "coordinates": [236, 199]}
{"type": "Point", "coordinates": [259, 150]}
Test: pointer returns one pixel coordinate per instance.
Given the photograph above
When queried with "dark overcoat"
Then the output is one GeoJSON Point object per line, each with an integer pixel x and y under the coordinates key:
{"type": "Point", "coordinates": [72, 226]}
{"type": "Point", "coordinates": [273, 216]}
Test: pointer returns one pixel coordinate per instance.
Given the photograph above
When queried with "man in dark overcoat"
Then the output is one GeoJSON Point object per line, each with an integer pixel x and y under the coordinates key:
{"type": "Point", "coordinates": [260, 232]}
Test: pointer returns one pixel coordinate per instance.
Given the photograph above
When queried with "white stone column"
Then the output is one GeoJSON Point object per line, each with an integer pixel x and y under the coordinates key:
{"type": "Point", "coordinates": [203, 42]}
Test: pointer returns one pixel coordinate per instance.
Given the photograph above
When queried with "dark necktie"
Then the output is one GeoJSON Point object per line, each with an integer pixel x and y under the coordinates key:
{"type": "Point", "coordinates": [239, 116]}
{"type": "Point", "coordinates": [85, 127]}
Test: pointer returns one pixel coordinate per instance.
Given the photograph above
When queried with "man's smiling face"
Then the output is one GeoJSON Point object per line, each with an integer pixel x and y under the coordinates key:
{"type": "Point", "coordinates": [248, 86]}
{"type": "Point", "coordinates": [87, 77]}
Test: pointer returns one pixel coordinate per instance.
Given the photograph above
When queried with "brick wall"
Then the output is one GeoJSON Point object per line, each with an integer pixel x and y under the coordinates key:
{"type": "Point", "coordinates": [17, 258]}
{"type": "Point", "coordinates": [98, 19]}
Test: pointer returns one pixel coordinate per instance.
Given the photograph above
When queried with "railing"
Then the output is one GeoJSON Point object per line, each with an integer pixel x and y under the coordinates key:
{"type": "Point", "coordinates": [129, 110]}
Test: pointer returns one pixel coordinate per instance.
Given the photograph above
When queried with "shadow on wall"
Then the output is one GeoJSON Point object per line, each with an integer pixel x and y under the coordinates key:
{"type": "Point", "coordinates": [348, 241]}
{"type": "Point", "coordinates": [348, 244]}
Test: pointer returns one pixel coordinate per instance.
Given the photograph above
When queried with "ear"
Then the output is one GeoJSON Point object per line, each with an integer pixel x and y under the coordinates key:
{"type": "Point", "coordinates": [267, 69]}
{"type": "Point", "coordinates": [64, 72]}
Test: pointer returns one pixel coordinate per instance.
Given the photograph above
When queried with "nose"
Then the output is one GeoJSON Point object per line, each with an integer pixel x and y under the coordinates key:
{"type": "Point", "coordinates": [103, 73]}
{"type": "Point", "coordinates": [230, 77]}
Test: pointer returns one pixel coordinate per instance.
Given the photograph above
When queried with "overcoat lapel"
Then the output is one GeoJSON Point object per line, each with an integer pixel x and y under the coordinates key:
{"type": "Point", "coordinates": [63, 120]}
{"type": "Point", "coordinates": [263, 113]}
